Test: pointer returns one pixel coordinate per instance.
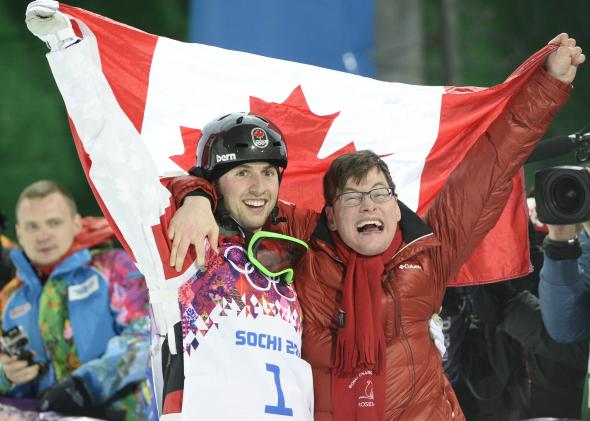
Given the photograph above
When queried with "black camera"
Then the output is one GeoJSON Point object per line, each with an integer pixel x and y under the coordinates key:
{"type": "Point", "coordinates": [562, 195]}
{"type": "Point", "coordinates": [14, 343]}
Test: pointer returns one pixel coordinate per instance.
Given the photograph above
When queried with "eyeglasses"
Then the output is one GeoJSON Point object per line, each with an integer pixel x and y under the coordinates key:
{"type": "Point", "coordinates": [355, 198]}
{"type": "Point", "coordinates": [275, 254]}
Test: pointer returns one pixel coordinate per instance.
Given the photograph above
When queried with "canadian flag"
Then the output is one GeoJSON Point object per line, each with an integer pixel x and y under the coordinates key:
{"type": "Point", "coordinates": [137, 101]}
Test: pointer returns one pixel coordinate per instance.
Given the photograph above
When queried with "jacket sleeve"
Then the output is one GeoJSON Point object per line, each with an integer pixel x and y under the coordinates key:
{"type": "Point", "coordinates": [125, 360]}
{"type": "Point", "coordinates": [182, 186]}
{"type": "Point", "coordinates": [522, 321]}
{"type": "Point", "coordinates": [564, 292]}
{"type": "Point", "coordinates": [475, 194]}
{"type": "Point", "coordinates": [7, 388]}
{"type": "Point", "coordinates": [297, 222]}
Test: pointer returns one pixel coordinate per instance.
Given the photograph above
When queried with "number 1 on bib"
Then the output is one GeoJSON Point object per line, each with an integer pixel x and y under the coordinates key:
{"type": "Point", "coordinates": [279, 408]}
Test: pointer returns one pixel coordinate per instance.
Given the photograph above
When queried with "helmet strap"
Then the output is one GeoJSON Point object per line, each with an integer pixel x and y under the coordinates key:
{"type": "Point", "coordinates": [281, 171]}
{"type": "Point", "coordinates": [275, 219]}
{"type": "Point", "coordinates": [223, 217]}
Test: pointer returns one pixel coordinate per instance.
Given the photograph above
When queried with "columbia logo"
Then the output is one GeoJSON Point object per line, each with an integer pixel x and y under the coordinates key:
{"type": "Point", "coordinates": [409, 266]}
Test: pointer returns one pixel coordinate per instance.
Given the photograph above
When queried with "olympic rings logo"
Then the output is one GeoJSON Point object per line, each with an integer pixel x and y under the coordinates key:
{"type": "Point", "coordinates": [249, 271]}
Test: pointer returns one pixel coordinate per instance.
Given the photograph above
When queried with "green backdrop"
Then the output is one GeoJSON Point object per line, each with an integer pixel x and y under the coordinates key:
{"type": "Point", "coordinates": [35, 139]}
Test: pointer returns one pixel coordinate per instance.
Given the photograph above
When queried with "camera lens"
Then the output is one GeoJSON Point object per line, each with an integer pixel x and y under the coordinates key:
{"type": "Point", "coordinates": [567, 194]}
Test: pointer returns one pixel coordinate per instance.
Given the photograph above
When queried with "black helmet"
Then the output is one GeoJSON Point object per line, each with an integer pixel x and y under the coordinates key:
{"type": "Point", "coordinates": [236, 138]}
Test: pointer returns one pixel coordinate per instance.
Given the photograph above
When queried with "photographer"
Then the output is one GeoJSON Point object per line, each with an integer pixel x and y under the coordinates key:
{"type": "Point", "coordinates": [565, 282]}
{"type": "Point", "coordinates": [565, 276]}
{"type": "Point", "coordinates": [564, 288]}
{"type": "Point", "coordinates": [504, 365]}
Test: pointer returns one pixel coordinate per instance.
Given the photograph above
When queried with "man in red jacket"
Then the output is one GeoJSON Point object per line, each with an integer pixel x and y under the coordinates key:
{"type": "Point", "coordinates": [376, 271]}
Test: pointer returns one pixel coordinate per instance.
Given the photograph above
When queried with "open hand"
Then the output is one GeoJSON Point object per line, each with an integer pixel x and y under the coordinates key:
{"type": "Point", "coordinates": [192, 223]}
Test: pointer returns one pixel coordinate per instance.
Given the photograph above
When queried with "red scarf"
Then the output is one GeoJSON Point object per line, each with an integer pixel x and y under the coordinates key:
{"type": "Point", "coordinates": [358, 375]}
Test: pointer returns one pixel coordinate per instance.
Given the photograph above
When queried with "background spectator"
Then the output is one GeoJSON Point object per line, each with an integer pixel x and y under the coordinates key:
{"type": "Point", "coordinates": [83, 313]}
{"type": "Point", "coordinates": [500, 358]}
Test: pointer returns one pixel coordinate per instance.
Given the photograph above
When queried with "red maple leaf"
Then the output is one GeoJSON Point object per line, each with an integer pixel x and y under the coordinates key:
{"type": "Point", "coordinates": [190, 138]}
{"type": "Point", "coordinates": [304, 132]}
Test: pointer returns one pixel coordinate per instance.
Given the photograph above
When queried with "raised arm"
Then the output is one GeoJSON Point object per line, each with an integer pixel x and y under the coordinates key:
{"type": "Point", "coordinates": [563, 63]}
{"type": "Point", "coordinates": [49, 25]}
{"type": "Point", "coordinates": [476, 193]}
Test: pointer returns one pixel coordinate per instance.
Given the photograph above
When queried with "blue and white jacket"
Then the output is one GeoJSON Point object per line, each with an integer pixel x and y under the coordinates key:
{"type": "Point", "coordinates": [107, 308]}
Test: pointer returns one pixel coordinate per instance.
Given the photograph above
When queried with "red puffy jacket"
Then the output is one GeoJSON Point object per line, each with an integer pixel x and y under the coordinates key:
{"type": "Point", "coordinates": [433, 250]}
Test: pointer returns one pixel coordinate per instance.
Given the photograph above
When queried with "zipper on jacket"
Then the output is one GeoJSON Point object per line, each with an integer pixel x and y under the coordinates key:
{"type": "Point", "coordinates": [396, 308]}
{"type": "Point", "coordinates": [402, 337]}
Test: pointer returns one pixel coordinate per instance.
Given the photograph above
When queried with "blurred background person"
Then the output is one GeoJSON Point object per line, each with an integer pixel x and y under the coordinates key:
{"type": "Point", "coordinates": [500, 358]}
{"type": "Point", "coordinates": [74, 318]}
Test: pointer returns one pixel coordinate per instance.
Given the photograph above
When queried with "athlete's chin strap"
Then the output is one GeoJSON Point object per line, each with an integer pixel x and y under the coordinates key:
{"type": "Point", "coordinates": [275, 218]}
{"type": "Point", "coordinates": [223, 218]}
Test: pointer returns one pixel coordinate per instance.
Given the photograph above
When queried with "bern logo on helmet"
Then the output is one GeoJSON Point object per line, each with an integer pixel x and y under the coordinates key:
{"type": "Point", "coordinates": [226, 157]}
{"type": "Point", "coordinates": [259, 138]}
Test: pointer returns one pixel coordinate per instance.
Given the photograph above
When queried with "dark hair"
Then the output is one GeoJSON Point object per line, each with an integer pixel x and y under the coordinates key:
{"type": "Point", "coordinates": [355, 165]}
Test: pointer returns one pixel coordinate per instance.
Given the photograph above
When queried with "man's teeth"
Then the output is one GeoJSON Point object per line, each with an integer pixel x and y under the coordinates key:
{"type": "Point", "coordinates": [363, 224]}
{"type": "Point", "coordinates": [255, 203]}
{"type": "Point", "coordinates": [369, 226]}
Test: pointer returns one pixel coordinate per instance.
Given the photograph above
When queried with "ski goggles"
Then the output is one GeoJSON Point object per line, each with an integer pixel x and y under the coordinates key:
{"type": "Point", "coordinates": [275, 254]}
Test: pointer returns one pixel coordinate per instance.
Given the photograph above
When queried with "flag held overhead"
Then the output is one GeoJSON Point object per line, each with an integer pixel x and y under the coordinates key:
{"type": "Point", "coordinates": [137, 103]}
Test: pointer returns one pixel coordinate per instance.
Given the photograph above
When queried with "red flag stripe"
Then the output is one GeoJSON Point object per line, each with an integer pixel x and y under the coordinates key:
{"type": "Point", "coordinates": [113, 38]}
